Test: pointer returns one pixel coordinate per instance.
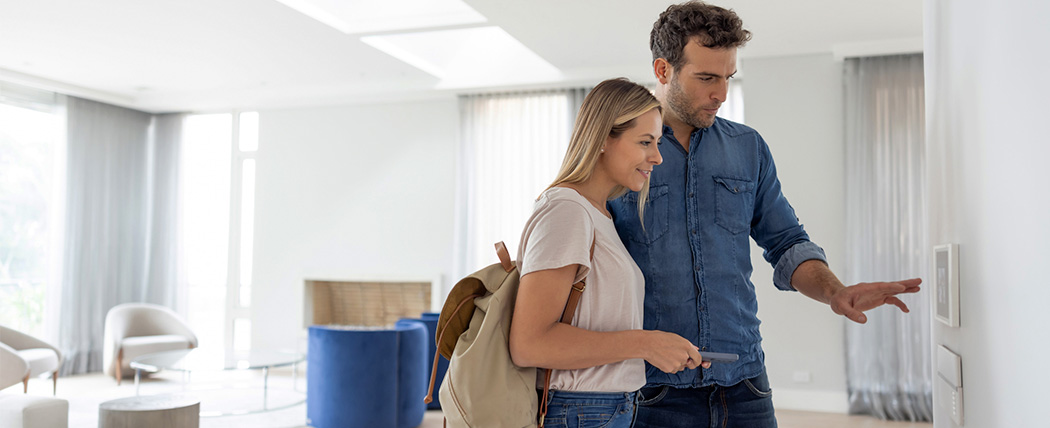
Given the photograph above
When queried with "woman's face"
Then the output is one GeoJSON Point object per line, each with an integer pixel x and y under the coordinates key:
{"type": "Point", "coordinates": [629, 159]}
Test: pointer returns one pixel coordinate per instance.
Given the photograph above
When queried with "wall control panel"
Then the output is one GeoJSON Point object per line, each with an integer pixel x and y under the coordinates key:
{"type": "Point", "coordinates": [946, 284]}
{"type": "Point", "coordinates": [948, 383]}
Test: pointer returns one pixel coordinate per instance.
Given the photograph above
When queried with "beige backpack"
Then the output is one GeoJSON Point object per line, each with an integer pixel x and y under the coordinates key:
{"type": "Point", "coordinates": [482, 387]}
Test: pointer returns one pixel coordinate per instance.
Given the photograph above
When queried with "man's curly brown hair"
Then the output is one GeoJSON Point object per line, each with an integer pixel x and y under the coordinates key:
{"type": "Point", "coordinates": [715, 26]}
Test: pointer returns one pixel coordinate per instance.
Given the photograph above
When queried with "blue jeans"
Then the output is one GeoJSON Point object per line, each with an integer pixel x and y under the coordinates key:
{"type": "Point", "coordinates": [570, 409]}
{"type": "Point", "coordinates": [748, 404]}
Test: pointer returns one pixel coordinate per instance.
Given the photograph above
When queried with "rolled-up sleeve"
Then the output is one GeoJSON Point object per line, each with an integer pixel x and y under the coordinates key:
{"type": "Point", "coordinates": [794, 256]}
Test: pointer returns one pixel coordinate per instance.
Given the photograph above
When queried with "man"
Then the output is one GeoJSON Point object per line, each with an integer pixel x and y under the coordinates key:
{"type": "Point", "coordinates": [716, 186]}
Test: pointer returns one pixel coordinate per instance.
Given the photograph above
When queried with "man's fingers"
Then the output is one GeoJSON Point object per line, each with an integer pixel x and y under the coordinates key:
{"type": "Point", "coordinates": [862, 297]}
{"type": "Point", "coordinates": [911, 285]}
{"type": "Point", "coordinates": [886, 287]}
{"type": "Point", "coordinates": [914, 282]}
{"type": "Point", "coordinates": [853, 314]}
{"type": "Point", "coordinates": [898, 303]}
{"type": "Point", "coordinates": [694, 354]}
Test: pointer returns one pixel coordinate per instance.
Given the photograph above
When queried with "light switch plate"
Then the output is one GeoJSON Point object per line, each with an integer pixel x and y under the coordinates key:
{"type": "Point", "coordinates": [949, 366]}
{"type": "Point", "coordinates": [946, 284]}
{"type": "Point", "coordinates": [949, 398]}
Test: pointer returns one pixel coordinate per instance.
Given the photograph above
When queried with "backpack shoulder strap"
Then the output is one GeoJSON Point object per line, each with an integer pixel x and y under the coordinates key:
{"type": "Point", "coordinates": [440, 337]}
{"type": "Point", "coordinates": [504, 256]}
{"type": "Point", "coordinates": [465, 291]}
{"type": "Point", "coordinates": [566, 318]}
{"type": "Point", "coordinates": [577, 291]}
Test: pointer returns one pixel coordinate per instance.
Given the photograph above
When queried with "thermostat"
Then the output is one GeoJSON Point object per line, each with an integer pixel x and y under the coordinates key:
{"type": "Point", "coordinates": [946, 284]}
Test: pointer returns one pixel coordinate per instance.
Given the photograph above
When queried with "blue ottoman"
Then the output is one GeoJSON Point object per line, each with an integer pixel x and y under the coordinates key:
{"type": "Point", "coordinates": [365, 377]}
{"type": "Point", "coordinates": [431, 320]}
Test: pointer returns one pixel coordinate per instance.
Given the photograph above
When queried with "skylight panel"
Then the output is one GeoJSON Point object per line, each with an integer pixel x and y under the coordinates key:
{"type": "Point", "coordinates": [468, 57]}
{"type": "Point", "coordinates": [353, 17]}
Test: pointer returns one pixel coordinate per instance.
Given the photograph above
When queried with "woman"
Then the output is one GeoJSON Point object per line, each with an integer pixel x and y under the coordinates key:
{"type": "Point", "coordinates": [598, 360]}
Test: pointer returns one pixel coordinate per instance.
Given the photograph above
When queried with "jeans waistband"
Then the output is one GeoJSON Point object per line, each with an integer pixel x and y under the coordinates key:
{"type": "Point", "coordinates": [585, 395]}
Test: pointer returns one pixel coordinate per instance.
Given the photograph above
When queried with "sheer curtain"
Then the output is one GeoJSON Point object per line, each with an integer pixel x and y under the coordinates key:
{"type": "Point", "coordinates": [120, 221]}
{"type": "Point", "coordinates": [162, 265]}
{"type": "Point", "coordinates": [889, 363]}
{"type": "Point", "coordinates": [510, 148]}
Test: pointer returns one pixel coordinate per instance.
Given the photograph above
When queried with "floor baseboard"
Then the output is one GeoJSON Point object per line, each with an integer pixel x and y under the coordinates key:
{"type": "Point", "coordinates": [811, 401]}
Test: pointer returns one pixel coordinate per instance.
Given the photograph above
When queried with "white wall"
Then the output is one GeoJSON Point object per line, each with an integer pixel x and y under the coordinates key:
{"type": "Point", "coordinates": [795, 102]}
{"type": "Point", "coordinates": [367, 191]}
{"type": "Point", "coordinates": [348, 193]}
{"type": "Point", "coordinates": [989, 186]}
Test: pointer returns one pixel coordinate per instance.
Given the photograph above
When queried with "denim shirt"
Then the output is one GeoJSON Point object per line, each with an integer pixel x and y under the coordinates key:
{"type": "Point", "coordinates": [694, 249]}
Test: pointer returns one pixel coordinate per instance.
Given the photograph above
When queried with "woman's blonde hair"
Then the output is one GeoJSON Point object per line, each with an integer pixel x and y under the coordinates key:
{"type": "Point", "coordinates": [608, 110]}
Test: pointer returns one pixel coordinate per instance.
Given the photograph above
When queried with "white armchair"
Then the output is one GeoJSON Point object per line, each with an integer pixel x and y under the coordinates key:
{"type": "Point", "coordinates": [15, 369]}
{"type": "Point", "coordinates": [136, 329]}
{"type": "Point", "coordinates": [40, 357]}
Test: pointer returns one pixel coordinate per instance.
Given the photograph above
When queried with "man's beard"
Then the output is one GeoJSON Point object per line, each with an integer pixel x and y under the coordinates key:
{"type": "Point", "coordinates": [680, 106]}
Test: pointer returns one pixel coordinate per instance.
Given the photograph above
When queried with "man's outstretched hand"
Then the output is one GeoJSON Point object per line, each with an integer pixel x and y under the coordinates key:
{"type": "Point", "coordinates": [852, 301]}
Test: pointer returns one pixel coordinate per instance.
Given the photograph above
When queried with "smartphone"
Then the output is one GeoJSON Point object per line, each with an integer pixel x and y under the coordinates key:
{"type": "Point", "coordinates": [718, 357]}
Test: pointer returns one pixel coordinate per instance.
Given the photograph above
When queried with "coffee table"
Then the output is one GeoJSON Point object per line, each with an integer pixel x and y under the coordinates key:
{"type": "Point", "coordinates": [188, 361]}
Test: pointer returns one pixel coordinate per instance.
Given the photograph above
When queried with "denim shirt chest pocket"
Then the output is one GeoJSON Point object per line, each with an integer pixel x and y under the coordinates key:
{"type": "Point", "coordinates": [734, 203]}
{"type": "Point", "coordinates": [655, 214]}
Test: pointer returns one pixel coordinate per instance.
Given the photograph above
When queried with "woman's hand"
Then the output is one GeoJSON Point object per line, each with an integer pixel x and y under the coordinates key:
{"type": "Point", "coordinates": [670, 352]}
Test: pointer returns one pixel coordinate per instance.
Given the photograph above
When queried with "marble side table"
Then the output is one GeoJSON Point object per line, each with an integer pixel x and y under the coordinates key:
{"type": "Point", "coordinates": [153, 411]}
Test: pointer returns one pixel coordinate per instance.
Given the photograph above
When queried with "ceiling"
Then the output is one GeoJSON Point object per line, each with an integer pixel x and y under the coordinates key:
{"type": "Point", "coordinates": [204, 55]}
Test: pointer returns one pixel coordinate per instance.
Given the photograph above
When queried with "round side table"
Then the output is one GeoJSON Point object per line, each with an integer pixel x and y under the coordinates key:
{"type": "Point", "coordinates": [154, 411]}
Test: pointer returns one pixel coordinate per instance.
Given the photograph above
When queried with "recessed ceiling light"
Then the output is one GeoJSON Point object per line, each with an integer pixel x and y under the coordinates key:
{"type": "Point", "coordinates": [468, 57]}
{"type": "Point", "coordinates": [379, 16]}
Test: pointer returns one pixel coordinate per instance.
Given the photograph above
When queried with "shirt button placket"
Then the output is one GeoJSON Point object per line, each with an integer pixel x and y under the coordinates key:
{"type": "Point", "coordinates": [693, 219]}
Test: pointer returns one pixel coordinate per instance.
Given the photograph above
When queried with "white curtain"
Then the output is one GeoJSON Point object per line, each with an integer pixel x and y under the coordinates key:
{"type": "Point", "coordinates": [510, 148]}
{"type": "Point", "coordinates": [161, 279]}
{"type": "Point", "coordinates": [120, 221]}
{"type": "Point", "coordinates": [889, 363]}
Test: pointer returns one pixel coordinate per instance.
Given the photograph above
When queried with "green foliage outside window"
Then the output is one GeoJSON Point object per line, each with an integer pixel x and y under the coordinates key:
{"type": "Point", "coordinates": [26, 157]}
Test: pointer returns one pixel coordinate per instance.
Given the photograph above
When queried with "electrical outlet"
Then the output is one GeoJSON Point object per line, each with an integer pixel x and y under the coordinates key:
{"type": "Point", "coordinates": [801, 376]}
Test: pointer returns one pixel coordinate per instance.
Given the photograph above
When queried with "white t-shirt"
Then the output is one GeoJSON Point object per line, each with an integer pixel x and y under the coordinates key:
{"type": "Point", "coordinates": [558, 234]}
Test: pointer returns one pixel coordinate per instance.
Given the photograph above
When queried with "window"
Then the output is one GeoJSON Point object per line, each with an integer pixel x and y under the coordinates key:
{"type": "Point", "coordinates": [238, 318]}
{"type": "Point", "coordinates": [205, 201]}
{"type": "Point", "coordinates": [218, 201]}
{"type": "Point", "coordinates": [30, 181]}
{"type": "Point", "coordinates": [733, 108]}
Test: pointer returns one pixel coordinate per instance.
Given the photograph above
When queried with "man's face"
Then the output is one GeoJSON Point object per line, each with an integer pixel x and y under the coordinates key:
{"type": "Point", "coordinates": [698, 88]}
